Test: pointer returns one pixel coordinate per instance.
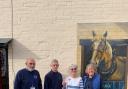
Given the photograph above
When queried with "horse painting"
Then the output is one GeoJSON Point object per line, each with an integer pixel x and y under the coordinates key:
{"type": "Point", "coordinates": [109, 65]}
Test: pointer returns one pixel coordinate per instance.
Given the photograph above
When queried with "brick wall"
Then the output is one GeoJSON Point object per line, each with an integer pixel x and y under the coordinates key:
{"type": "Point", "coordinates": [47, 29]}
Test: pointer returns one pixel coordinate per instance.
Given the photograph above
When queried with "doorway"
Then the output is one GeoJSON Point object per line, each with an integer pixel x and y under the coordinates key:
{"type": "Point", "coordinates": [4, 72]}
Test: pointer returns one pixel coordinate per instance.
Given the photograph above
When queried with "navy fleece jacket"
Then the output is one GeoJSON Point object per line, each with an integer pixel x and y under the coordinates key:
{"type": "Point", "coordinates": [26, 79]}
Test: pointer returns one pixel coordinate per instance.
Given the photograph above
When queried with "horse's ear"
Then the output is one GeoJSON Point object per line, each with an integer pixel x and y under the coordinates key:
{"type": "Point", "coordinates": [105, 34]}
{"type": "Point", "coordinates": [93, 33]}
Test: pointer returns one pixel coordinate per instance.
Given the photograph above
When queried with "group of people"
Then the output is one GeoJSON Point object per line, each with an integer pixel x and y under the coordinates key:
{"type": "Point", "coordinates": [29, 77]}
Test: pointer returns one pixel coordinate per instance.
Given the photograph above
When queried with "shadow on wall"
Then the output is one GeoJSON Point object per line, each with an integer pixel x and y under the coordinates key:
{"type": "Point", "coordinates": [21, 52]}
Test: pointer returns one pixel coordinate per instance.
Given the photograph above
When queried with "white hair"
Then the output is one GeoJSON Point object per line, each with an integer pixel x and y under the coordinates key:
{"type": "Point", "coordinates": [91, 65]}
{"type": "Point", "coordinates": [73, 66]}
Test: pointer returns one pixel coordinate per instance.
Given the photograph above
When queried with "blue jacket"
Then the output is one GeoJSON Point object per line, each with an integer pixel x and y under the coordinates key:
{"type": "Point", "coordinates": [53, 80]}
{"type": "Point", "coordinates": [96, 81]}
{"type": "Point", "coordinates": [26, 79]}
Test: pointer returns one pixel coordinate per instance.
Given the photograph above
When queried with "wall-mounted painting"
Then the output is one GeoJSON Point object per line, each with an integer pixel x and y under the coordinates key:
{"type": "Point", "coordinates": [109, 55]}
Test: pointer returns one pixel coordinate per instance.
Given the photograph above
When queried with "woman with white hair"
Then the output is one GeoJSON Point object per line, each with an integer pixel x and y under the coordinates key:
{"type": "Point", "coordinates": [92, 78]}
{"type": "Point", "coordinates": [73, 81]}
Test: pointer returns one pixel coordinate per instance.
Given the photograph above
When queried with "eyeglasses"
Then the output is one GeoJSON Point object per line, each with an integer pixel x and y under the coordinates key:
{"type": "Point", "coordinates": [31, 63]}
{"type": "Point", "coordinates": [73, 69]}
{"type": "Point", "coordinates": [56, 65]}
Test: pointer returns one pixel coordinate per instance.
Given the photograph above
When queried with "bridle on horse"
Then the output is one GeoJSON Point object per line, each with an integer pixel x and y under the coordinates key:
{"type": "Point", "coordinates": [102, 47]}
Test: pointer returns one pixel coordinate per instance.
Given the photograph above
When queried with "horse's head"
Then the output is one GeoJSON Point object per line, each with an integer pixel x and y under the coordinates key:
{"type": "Point", "coordinates": [100, 46]}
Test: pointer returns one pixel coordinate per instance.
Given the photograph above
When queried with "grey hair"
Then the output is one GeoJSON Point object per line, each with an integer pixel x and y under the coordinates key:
{"type": "Point", "coordinates": [30, 58]}
{"type": "Point", "coordinates": [91, 65]}
{"type": "Point", "coordinates": [54, 61]}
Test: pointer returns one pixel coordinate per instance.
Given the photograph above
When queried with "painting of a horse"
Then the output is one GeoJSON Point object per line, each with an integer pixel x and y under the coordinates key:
{"type": "Point", "coordinates": [110, 65]}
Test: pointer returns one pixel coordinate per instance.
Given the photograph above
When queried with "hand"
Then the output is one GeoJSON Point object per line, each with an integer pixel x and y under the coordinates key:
{"type": "Point", "coordinates": [90, 76]}
{"type": "Point", "coordinates": [64, 83]}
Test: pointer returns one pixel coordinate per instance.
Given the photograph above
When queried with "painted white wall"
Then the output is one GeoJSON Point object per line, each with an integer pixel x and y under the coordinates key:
{"type": "Point", "coordinates": [47, 29]}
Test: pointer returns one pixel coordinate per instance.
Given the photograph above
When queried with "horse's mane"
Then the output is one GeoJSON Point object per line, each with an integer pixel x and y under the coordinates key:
{"type": "Point", "coordinates": [109, 49]}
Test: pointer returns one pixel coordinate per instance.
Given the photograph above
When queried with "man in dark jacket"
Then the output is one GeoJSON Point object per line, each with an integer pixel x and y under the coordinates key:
{"type": "Point", "coordinates": [28, 78]}
{"type": "Point", "coordinates": [53, 79]}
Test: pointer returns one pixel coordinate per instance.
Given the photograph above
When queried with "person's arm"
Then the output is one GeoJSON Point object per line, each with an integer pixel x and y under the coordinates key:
{"type": "Point", "coordinates": [98, 82]}
{"type": "Point", "coordinates": [64, 83]}
{"type": "Point", "coordinates": [101, 82]}
{"type": "Point", "coordinates": [81, 84]}
{"type": "Point", "coordinates": [40, 82]}
{"type": "Point", "coordinates": [46, 82]}
{"type": "Point", "coordinates": [17, 82]}
{"type": "Point", "coordinates": [61, 82]}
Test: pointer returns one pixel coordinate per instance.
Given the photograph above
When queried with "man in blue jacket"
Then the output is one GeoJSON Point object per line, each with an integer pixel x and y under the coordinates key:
{"type": "Point", "coordinates": [91, 79]}
{"type": "Point", "coordinates": [28, 78]}
{"type": "Point", "coordinates": [53, 79]}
